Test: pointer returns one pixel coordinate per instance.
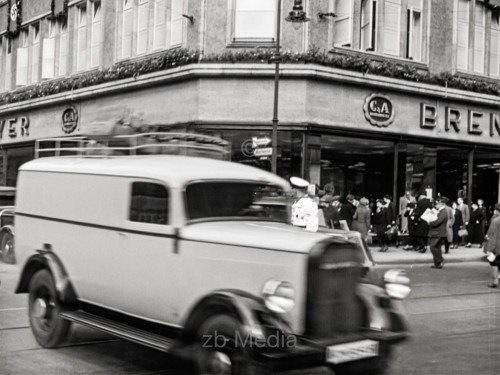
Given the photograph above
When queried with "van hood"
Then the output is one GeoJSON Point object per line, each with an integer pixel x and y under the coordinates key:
{"type": "Point", "coordinates": [267, 235]}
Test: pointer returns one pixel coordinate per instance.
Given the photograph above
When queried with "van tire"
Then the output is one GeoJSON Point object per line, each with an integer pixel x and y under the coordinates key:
{"type": "Point", "coordinates": [222, 329]}
{"type": "Point", "coordinates": [7, 248]}
{"type": "Point", "coordinates": [44, 310]}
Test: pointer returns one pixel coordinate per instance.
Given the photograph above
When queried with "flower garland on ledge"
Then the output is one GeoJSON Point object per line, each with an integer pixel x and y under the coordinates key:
{"type": "Point", "coordinates": [180, 57]}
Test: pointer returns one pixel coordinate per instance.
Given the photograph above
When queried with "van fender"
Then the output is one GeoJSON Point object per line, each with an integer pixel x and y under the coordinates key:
{"type": "Point", "coordinates": [7, 229]}
{"type": "Point", "coordinates": [245, 307]}
{"type": "Point", "coordinates": [47, 259]}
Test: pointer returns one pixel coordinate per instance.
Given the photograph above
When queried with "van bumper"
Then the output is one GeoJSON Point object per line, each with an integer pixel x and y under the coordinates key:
{"type": "Point", "coordinates": [314, 353]}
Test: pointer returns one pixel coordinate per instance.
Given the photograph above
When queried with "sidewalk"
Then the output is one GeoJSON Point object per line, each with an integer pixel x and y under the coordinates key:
{"type": "Point", "coordinates": [399, 256]}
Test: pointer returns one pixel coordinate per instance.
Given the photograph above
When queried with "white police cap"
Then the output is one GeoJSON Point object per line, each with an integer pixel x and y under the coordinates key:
{"type": "Point", "coordinates": [299, 182]}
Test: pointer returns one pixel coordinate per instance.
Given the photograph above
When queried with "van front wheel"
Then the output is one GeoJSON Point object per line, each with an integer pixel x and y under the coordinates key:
{"type": "Point", "coordinates": [47, 325]}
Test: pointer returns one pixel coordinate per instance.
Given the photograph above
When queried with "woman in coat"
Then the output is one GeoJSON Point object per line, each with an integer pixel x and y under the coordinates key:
{"type": "Point", "coordinates": [381, 221]}
{"type": "Point", "coordinates": [361, 222]}
{"type": "Point", "coordinates": [476, 226]}
{"type": "Point", "coordinates": [492, 246]}
{"type": "Point", "coordinates": [457, 225]}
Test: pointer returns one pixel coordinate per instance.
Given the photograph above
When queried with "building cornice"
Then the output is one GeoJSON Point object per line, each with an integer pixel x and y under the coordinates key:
{"type": "Point", "coordinates": [287, 71]}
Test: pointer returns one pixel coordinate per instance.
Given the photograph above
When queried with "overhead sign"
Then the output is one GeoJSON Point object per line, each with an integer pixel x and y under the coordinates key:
{"type": "Point", "coordinates": [379, 110]}
{"type": "Point", "coordinates": [260, 141]}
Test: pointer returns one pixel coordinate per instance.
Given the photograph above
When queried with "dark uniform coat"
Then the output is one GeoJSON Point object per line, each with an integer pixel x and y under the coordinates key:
{"type": "Point", "coordinates": [476, 226]}
{"type": "Point", "coordinates": [421, 226]}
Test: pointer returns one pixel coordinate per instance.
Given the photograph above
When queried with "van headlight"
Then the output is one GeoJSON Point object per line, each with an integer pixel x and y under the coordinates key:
{"type": "Point", "coordinates": [279, 296]}
{"type": "Point", "coordinates": [397, 284]}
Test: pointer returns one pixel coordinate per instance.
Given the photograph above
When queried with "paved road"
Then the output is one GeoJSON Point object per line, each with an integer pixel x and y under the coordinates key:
{"type": "Point", "coordinates": [455, 321]}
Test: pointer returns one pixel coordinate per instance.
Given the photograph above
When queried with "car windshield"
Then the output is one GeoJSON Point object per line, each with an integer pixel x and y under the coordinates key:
{"type": "Point", "coordinates": [229, 199]}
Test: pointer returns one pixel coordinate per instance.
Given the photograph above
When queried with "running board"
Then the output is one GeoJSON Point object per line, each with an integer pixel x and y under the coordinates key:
{"type": "Point", "coordinates": [124, 331]}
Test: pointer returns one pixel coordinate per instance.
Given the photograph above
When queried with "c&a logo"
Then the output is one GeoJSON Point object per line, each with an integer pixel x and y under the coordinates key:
{"type": "Point", "coordinates": [378, 110]}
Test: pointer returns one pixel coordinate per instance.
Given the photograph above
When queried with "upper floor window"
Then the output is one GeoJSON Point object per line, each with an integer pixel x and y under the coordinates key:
{"type": "Point", "coordinates": [81, 32]}
{"type": "Point", "coordinates": [35, 52]}
{"type": "Point", "coordinates": [96, 40]}
{"type": "Point", "coordinates": [477, 39]}
{"type": "Point", "coordinates": [390, 27]}
{"type": "Point", "coordinates": [343, 23]}
{"type": "Point", "coordinates": [254, 20]}
{"type": "Point", "coordinates": [414, 32]}
{"type": "Point", "coordinates": [368, 25]}
{"type": "Point", "coordinates": [149, 25]}
{"type": "Point", "coordinates": [28, 62]}
{"type": "Point", "coordinates": [495, 46]}
{"type": "Point", "coordinates": [463, 34]}
{"type": "Point", "coordinates": [7, 72]}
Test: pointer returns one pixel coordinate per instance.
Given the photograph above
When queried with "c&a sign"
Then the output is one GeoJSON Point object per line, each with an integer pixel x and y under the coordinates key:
{"type": "Point", "coordinates": [379, 110]}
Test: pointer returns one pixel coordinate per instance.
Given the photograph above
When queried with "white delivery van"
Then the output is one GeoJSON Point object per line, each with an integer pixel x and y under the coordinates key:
{"type": "Point", "coordinates": [179, 253]}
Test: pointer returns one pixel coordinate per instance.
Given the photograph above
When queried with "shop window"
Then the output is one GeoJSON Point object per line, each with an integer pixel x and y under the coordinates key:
{"type": "Point", "coordinates": [414, 33]}
{"type": "Point", "coordinates": [495, 46]}
{"type": "Point", "coordinates": [254, 20]}
{"type": "Point", "coordinates": [149, 203]}
{"type": "Point", "coordinates": [485, 178]}
{"type": "Point", "coordinates": [81, 49]}
{"type": "Point", "coordinates": [343, 23]}
{"type": "Point", "coordinates": [463, 34]}
{"type": "Point", "coordinates": [96, 43]}
{"type": "Point", "coordinates": [254, 148]}
{"type": "Point", "coordinates": [361, 167]}
{"type": "Point", "coordinates": [15, 157]}
{"type": "Point", "coordinates": [392, 24]}
{"type": "Point", "coordinates": [451, 172]}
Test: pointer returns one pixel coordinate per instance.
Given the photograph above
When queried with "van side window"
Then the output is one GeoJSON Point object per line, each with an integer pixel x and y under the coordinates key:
{"type": "Point", "coordinates": [149, 203]}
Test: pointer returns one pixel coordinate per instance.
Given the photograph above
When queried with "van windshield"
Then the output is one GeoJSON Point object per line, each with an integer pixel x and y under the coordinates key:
{"type": "Point", "coordinates": [236, 200]}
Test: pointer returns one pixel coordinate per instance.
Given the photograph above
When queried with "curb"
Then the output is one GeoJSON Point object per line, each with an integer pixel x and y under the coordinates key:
{"type": "Point", "coordinates": [428, 260]}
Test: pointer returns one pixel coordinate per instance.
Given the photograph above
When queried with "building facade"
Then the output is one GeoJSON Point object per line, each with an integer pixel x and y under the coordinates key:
{"type": "Point", "coordinates": [375, 96]}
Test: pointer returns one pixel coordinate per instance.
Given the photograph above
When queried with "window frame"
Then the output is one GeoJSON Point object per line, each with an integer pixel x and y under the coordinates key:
{"type": "Point", "coordinates": [348, 43]}
{"type": "Point", "coordinates": [235, 40]}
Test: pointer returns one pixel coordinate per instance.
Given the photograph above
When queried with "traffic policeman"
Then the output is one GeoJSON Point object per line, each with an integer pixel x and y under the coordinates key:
{"type": "Point", "coordinates": [305, 210]}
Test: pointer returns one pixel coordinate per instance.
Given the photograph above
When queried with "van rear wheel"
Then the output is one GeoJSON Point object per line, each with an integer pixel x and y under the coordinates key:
{"type": "Point", "coordinates": [47, 325]}
{"type": "Point", "coordinates": [7, 247]}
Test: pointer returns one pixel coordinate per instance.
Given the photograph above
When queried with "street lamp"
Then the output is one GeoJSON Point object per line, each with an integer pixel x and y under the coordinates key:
{"type": "Point", "coordinates": [297, 16]}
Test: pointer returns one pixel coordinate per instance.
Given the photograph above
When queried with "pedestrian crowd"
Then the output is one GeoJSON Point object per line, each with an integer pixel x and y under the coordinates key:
{"type": "Point", "coordinates": [423, 223]}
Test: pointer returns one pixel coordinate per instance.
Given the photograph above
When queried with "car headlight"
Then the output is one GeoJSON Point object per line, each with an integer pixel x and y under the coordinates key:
{"type": "Point", "coordinates": [397, 284]}
{"type": "Point", "coordinates": [279, 296]}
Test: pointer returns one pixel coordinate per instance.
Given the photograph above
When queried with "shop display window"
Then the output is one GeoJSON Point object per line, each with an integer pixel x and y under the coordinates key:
{"type": "Point", "coordinates": [357, 166]}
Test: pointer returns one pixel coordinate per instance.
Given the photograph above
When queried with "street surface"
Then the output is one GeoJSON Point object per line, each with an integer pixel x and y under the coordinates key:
{"type": "Point", "coordinates": [455, 321]}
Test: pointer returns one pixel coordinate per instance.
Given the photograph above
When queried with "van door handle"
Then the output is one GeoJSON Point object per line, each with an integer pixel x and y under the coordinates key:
{"type": "Point", "coordinates": [123, 234]}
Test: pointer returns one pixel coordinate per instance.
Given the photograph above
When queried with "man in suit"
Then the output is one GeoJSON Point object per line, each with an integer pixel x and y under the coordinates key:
{"type": "Point", "coordinates": [438, 232]}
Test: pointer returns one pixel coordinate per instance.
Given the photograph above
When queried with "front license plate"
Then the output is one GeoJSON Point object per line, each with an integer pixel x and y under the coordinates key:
{"type": "Point", "coordinates": [351, 351]}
